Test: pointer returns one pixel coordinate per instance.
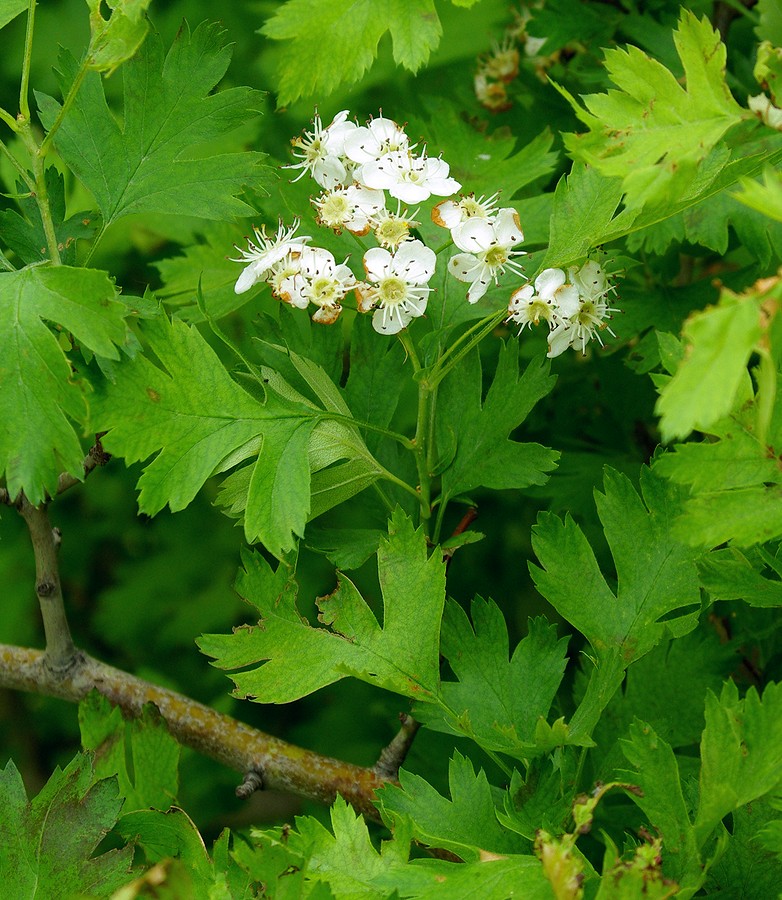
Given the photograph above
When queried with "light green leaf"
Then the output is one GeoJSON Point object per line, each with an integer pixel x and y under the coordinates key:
{"type": "Point", "coordinates": [347, 861]}
{"type": "Point", "coordinates": [730, 575]}
{"type": "Point", "coordinates": [652, 132]}
{"type": "Point", "coordinates": [744, 516]}
{"type": "Point", "coordinates": [48, 843]}
{"type": "Point", "coordinates": [657, 591]}
{"type": "Point", "coordinates": [584, 204]}
{"type": "Point", "coordinates": [41, 395]}
{"type": "Point", "coordinates": [140, 752]}
{"type": "Point", "coordinates": [10, 9]}
{"type": "Point", "coordinates": [765, 197]}
{"type": "Point", "coordinates": [703, 389]}
{"type": "Point", "coordinates": [465, 824]}
{"type": "Point", "coordinates": [170, 834]}
{"type": "Point", "coordinates": [154, 162]}
{"type": "Point", "coordinates": [314, 28]}
{"type": "Point", "coordinates": [113, 41]}
{"type": "Point", "coordinates": [769, 27]}
{"type": "Point", "coordinates": [501, 704]}
{"type": "Point", "coordinates": [485, 457]}
{"type": "Point", "coordinates": [193, 415]}
{"type": "Point", "coordinates": [741, 752]}
{"type": "Point", "coordinates": [402, 655]}
{"type": "Point", "coordinates": [656, 773]}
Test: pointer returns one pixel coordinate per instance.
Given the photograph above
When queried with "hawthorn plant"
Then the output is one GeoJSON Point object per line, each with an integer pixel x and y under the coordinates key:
{"type": "Point", "coordinates": [462, 345]}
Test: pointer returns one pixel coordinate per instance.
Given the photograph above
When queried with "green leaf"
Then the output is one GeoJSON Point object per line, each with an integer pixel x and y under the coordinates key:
{"type": "Point", "coordinates": [193, 415]}
{"type": "Point", "coordinates": [10, 9]}
{"type": "Point", "coordinates": [501, 704]}
{"type": "Point", "coordinates": [741, 752]}
{"type": "Point", "coordinates": [769, 27]}
{"type": "Point", "coordinates": [140, 752]}
{"type": "Point", "coordinates": [113, 41]}
{"type": "Point", "coordinates": [24, 234]}
{"type": "Point", "coordinates": [652, 132]}
{"type": "Point", "coordinates": [347, 861]}
{"type": "Point", "coordinates": [465, 824]}
{"type": "Point", "coordinates": [48, 843]}
{"type": "Point", "coordinates": [156, 161]}
{"type": "Point", "coordinates": [657, 591]}
{"type": "Point", "coordinates": [766, 198]}
{"type": "Point", "coordinates": [703, 389]}
{"type": "Point", "coordinates": [744, 516]}
{"type": "Point", "coordinates": [584, 205]}
{"type": "Point", "coordinates": [314, 28]}
{"type": "Point", "coordinates": [402, 655]}
{"type": "Point", "coordinates": [656, 773]}
{"type": "Point", "coordinates": [41, 395]}
{"type": "Point", "coordinates": [730, 575]}
{"type": "Point", "coordinates": [485, 456]}
{"type": "Point", "coordinates": [170, 834]}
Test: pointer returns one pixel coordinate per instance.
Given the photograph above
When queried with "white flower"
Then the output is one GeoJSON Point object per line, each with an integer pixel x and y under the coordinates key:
{"type": "Point", "coordinates": [322, 151]}
{"type": "Point", "coordinates": [393, 228]}
{"type": "Point", "coordinates": [488, 251]}
{"type": "Point", "coordinates": [551, 285]}
{"type": "Point", "coordinates": [592, 310]}
{"type": "Point", "coordinates": [380, 136]}
{"type": "Point", "coordinates": [286, 280]}
{"type": "Point", "coordinates": [319, 280]}
{"type": "Point", "coordinates": [411, 179]}
{"type": "Point", "coordinates": [399, 291]}
{"type": "Point", "coordinates": [351, 207]}
{"type": "Point", "coordinates": [263, 252]}
{"type": "Point", "coordinates": [528, 308]}
{"type": "Point", "coordinates": [452, 213]}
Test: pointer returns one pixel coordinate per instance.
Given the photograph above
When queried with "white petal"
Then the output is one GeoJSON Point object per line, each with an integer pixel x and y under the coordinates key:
{"type": "Point", "coordinates": [507, 228]}
{"type": "Point", "coordinates": [414, 262]}
{"type": "Point", "coordinates": [567, 301]}
{"type": "Point", "coordinates": [250, 274]}
{"type": "Point", "coordinates": [465, 267]}
{"type": "Point", "coordinates": [477, 289]}
{"type": "Point", "coordinates": [548, 282]}
{"type": "Point", "coordinates": [474, 235]}
{"type": "Point", "coordinates": [447, 214]}
{"type": "Point", "coordinates": [409, 193]}
{"type": "Point", "coordinates": [378, 263]}
{"type": "Point", "coordinates": [390, 321]}
{"type": "Point", "coordinates": [559, 339]}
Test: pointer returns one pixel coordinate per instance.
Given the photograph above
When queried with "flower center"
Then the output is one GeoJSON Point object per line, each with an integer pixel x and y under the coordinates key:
{"type": "Point", "coordinates": [539, 309]}
{"type": "Point", "coordinates": [324, 291]}
{"type": "Point", "coordinates": [392, 291]}
{"type": "Point", "coordinates": [496, 257]}
{"type": "Point", "coordinates": [391, 232]}
{"type": "Point", "coordinates": [334, 210]}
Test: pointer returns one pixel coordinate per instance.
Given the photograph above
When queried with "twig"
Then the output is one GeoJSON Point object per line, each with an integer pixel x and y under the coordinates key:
{"type": "Point", "coordinates": [61, 653]}
{"type": "Point", "coordinates": [284, 766]}
{"type": "Point", "coordinates": [96, 457]}
{"type": "Point", "coordinates": [392, 756]}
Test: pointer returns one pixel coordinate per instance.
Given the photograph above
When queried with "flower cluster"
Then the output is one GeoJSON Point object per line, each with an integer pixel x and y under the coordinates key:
{"type": "Point", "coordinates": [487, 238]}
{"type": "Point", "coordinates": [498, 68]}
{"type": "Point", "coordinates": [574, 305]}
{"type": "Point", "coordinates": [357, 168]}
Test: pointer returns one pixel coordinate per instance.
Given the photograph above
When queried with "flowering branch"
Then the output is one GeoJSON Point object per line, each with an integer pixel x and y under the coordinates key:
{"type": "Point", "coordinates": [280, 765]}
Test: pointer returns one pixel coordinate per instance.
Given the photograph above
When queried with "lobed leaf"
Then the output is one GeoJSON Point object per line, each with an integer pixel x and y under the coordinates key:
{"type": "Point", "coordinates": [401, 655]}
{"type": "Point", "coordinates": [155, 162]}
{"type": "Point", "coordinates": [41, 394]}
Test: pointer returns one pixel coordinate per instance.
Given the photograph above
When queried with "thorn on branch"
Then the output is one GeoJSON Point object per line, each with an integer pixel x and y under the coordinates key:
{"type": "Point", "coordinates": [253, 781]}
{"type": "Point", "coordinates": [392, 756]}
{"type": "Point", "coordinates": [97, 456]}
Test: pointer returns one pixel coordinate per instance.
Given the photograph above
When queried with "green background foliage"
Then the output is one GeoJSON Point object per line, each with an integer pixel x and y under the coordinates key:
{"type": "Point", "coordinates": [610, 618]}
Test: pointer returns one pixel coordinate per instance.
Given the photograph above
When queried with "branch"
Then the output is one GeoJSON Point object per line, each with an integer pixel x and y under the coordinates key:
{"type": "Point", "coordinates": [282, 766]}
{"type": "Point", "coordinates": [61, 653]}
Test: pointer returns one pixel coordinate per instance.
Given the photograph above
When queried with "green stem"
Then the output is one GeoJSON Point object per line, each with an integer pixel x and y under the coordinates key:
{"type": "Point", "coordinates": [438, 525]}
{"type": "Point", "coordinates": [423, 426]}
{"type": "Point", "coordinates": [460, 348]}
{"type": "Point", "coordinates": [366, 426]}
{"type": "Point", "coordinates": [41, 194]}
{"type": "Point", "coordinates": [66, 105]}
{"type": "Point", "coordinates": [389, 476]}
{"type": "Point", "coordinates": [23, 174]}
{"type": "Point", "coordinates": [24, 86]}
{"type": "Point", "coordinates": [9, 120]}
{"type": "Point", "coordinates": [94, 246]}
